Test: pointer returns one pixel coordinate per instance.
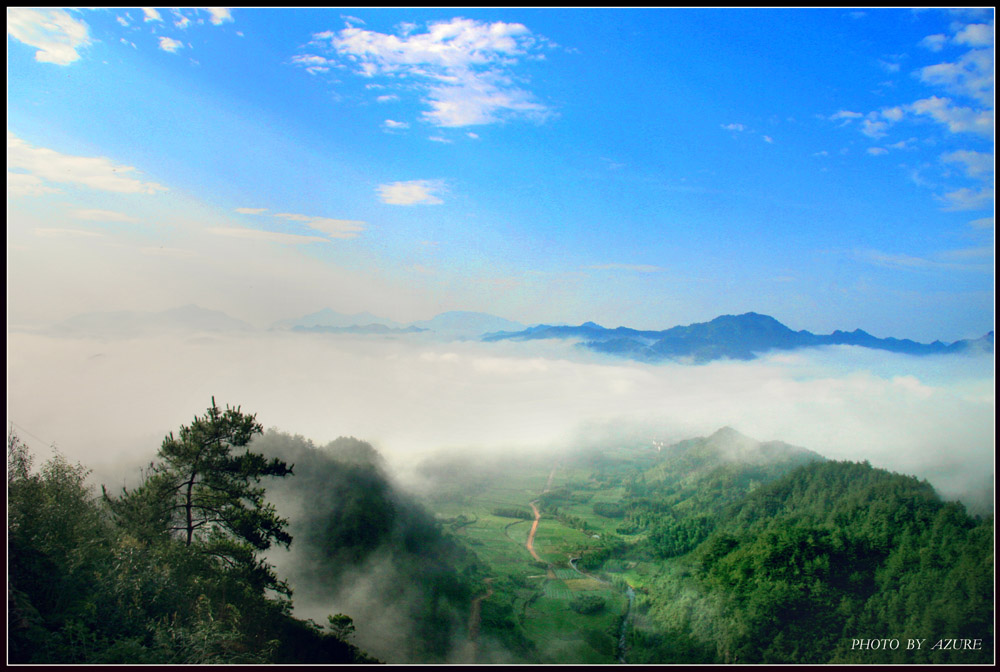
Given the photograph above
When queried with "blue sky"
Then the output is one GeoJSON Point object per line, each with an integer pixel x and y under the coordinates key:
{"type": "Point", "coordinates": [831, 168]}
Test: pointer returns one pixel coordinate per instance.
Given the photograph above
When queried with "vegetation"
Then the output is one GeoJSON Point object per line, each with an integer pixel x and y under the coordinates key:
{"type": "Point", "coordinates": [714, 550]}
{"type": "Point", "coordinates": [167, 573]}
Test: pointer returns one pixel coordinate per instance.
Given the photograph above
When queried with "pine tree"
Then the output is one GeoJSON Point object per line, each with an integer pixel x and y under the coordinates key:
{"type": "Point", "coordinates": [206, 494]}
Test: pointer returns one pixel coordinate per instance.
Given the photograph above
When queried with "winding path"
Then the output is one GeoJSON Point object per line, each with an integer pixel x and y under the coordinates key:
{"type": "Point", "coordinates": [531, 535]}
{"type": "Point", "coordinates": [474, 615]}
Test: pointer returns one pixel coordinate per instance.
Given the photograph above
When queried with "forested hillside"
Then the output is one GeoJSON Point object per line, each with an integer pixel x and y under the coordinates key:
{"type": "Point", "coordinates": [169, 572]}
{"type": "Point", "coordinates": [363, 543]}
{"type": "Point", "coordinates": [835, 554]}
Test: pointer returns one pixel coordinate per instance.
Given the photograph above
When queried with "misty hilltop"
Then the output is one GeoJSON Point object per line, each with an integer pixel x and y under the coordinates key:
{"type": "Point", "coordinates": [739, 337]}
{"type": "Point", "coordinates": [133, 324]}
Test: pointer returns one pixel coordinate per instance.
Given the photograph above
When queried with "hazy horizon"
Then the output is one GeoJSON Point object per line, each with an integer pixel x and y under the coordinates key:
{"type": "Point", "coordinates": [832, 168]}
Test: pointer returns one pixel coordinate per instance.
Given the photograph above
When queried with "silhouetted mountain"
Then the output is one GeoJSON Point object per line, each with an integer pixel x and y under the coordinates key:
{"type": "Point", "coordinates": [740, 337]}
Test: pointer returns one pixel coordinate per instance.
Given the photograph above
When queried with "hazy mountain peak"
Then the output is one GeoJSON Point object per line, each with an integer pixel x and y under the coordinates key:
{"type": "Point", "coordinates": [129, 323]}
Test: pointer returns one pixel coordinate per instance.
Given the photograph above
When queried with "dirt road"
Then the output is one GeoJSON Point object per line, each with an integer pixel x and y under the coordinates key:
{"type": "Point", "coordinates": [531, 535]}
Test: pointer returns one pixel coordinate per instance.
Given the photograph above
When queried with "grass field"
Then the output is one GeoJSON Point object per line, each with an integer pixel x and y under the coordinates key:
{"type": "Point", "coordinates": [542, 594]}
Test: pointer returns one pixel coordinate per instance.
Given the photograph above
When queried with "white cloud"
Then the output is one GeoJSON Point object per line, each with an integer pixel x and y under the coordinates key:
{"type": "Point", "coordinates": [387, 98]}
{"type": "Point", "coordinates": [335, 228]}
{"type": "Point", "coordinates": [415, 192]}
{"type": "Point", "coordinates": [768, 139]}
{"type": "Point", "coordinates": [472, 136]}
{"type": "Point", "coordinates": [934, 42]}
{"type": "Point", "coordinates": [892, 113]}
{"type": "Point", "coordinates": [976, 163]}
{"type": "Point", "coordinates": [151, 14]}
{"type": "Point", "coordinates": [219, 15]}
{"type": "Point", "coordinates": [312, 63]}
{"type": "Point", "coordinates": [103, 216]}
{"type": "Point", "coordinates": [877, 151]}
{"type": "Point", "coordinates": [394, 125]}
{"type": "Point", "coordinates": [734, 127]}
{"type": "Point", "coordinates": [122, 21]}
{"type": "Point", "coordinates": [94, 172]}
{"type": "Point", "coordinates": [55, 33]}
{"type": "Point", "coordinates": [460, 67]}
{"type": "Point", "coordinates": [975, 35]}
{"type": "Point", "coordinates": [438, 138]}
{"type": "Point", "coordinates": [266, 236]}
{"type": "Point", "coordinates": [251, 211]}
{"type": "Point", "coordinates": [957, 119]}
{"type": "Point", "coordinates": [23, 184]}
{"type": "Point", "coordinates": [982, 223]}
{"type": "Point", "coordinates": [170, 44]}
{"type": "Point", "coordinates": [874, 129]}
{"type": "Point", "coordinates": [968, 199]}
{"type": "Point", "coordinates": [971, 76]}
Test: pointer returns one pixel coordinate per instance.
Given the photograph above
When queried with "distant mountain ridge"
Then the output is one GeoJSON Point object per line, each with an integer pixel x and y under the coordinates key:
{"type": "Point", "coordinates": [739, 337]}
{"type": "Point", "coordinates": [129, 323]}
{"type": "Point", "coordinates": [452, 324]}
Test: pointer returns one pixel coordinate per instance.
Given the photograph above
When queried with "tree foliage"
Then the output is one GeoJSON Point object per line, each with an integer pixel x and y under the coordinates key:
{"type": "Point", "coordinates": [206, 493]}
{"type": "Point", "coordinates": [129, 580]}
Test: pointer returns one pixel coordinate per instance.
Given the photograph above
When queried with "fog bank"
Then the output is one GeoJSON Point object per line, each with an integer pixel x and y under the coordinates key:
{"type": "Point", "coordinates": [108, 403]}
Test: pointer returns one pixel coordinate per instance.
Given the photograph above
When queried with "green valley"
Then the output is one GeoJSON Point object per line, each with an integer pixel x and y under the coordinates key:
{"type": "Point", "coordinates": [717, 550]}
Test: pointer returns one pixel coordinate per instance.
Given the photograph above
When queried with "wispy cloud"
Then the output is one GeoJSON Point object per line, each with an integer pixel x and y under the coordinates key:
{"type": "Point", "coordinates": [462, 68]}
{"type": "Point", "coordinates": [23, 184]}
{"type": "Point", "coordinates": [946, 260]}
{"type": "Point", "coordinates": [968, 199]}
{"type": "Point", "coordinates": [55, 33]}
{"type": "Point", "coordinates": [66, 233]}
{"type": "Point", "coordinates": [415, 192]}
{"type": "Point", "coordinates": [94, 215]}
{"type": "Point", "coordinates": [734, 127]}
{"type": "Point", "coordinates": [265, 236]}
{"type": "Point", "coordinates": [312, 63]}
{"type": "Point", "coordinates": [151, 14]}
{"type": "Point", "coordinates": [93, 172]}
{"type": "Point", "coordinates": [334, 228]}
{"type": "Point", "coordinates": [975, 164]}
{"type": "Point", "coordinates": [635, 268]}
{"type": "Point", "coordinates": [934, 42]}
{"type": "Point", "coordinates": [251, 211]}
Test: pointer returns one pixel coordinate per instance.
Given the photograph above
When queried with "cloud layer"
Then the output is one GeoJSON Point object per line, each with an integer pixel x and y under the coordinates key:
{"type": "Point", "coordinates": [932, 416]}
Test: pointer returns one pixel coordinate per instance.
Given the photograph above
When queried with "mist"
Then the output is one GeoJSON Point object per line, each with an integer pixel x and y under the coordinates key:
{"type": "Point", "coordinates": [108, 403]}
